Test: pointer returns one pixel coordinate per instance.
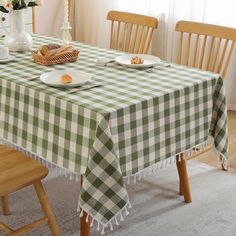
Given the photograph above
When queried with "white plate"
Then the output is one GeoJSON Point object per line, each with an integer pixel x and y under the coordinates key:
{"type": "Point", "coordinates": [54, 78]}
{"type": "Point", "coordinates": [3, 61]}
{"type": "Point", "coordinates": [149, 60]}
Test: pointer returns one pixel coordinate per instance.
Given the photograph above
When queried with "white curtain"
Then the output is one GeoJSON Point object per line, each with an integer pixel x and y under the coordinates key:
{"type": "Point", "coordinates": [92, 27]}
{"type": "Point", "coordinates": [49, 18]}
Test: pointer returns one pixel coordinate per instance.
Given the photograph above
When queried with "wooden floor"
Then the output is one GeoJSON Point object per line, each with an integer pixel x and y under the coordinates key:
{"type": "Point", "coordinates": [208, 157]}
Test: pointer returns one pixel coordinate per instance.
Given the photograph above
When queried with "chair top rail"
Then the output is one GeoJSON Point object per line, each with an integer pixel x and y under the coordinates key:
{"type": "Point", "coordinates": [132, 18]}
{"type": "Point", "coordinates": [206, 29]}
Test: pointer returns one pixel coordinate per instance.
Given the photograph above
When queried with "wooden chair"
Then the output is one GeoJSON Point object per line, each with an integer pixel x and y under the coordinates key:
{"type": "Point", "coordinates": [215, 51]}
{"type": "Point", "coordinates": [207, 47]}
{"type": "Point", "coordinates": [215, 58]}
{"type": "Point", "coordinates": [131, 32]}
{"type": "Point", "coordinates": [16, 172]}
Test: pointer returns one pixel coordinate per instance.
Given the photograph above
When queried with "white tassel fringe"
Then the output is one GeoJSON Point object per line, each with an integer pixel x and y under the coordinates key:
{"type": "Point", "coordinates": [60, 170]}
{"type": "Point", "coordinates": [136, 177]}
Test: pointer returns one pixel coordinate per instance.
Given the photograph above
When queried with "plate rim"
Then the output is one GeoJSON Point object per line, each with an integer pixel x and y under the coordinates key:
{"type": "Point", "coordinates": [42, 78]}
{"type": "Point", "coordinates": [137, 65]}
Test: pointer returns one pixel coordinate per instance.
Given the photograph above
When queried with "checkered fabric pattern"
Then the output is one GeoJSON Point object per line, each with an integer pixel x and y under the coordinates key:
{"type": "Point", "coordinates": [134, 120]}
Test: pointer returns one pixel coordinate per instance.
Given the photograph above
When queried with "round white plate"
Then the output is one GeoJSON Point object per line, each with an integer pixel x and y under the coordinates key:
{"type": "Point", "coordinates": [53, 78]}
{"type": "Point", "coordinates": [149, 60]}
{"type": "Point", "coordinates": [3, 61]}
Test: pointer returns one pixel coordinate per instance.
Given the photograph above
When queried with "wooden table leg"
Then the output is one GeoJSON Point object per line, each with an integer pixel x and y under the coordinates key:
{"type": "Point", "coordinates": [5, 206]}
{"type": "Point", "coordinates": [183, 178]}
{"type": "Point", "coordinates": [84, 226]}
{"type": "Point", "coordinates": [181, 192]}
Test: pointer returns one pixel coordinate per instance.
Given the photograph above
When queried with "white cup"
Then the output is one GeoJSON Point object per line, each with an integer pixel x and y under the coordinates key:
{"type": "Point", "coordinates": [4, 52]}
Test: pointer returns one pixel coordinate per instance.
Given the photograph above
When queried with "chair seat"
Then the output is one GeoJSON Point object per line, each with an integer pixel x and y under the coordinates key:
{"type": "Point", "coordinates": [18, 170]}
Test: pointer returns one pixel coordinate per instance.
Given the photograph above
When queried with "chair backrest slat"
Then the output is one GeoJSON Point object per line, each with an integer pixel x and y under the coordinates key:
{"type": "Point", "coordinates": [129, 38]}
{"type": "Point", "coordinates": [216, 54]}
{"type": "Point", "coordinates": [228, 58]}
{"type": "Point", "coordinates": [149, 41]}
{"type": "Point", "coordinates": [135, 38]}
{"type": "Point", "coordinates": [188, 48]}
{"type": "Point", "coordinates": [181, 48]}
{"type": "Point", "coordinates": [134, 41]}
{"type": "Point", "coordinates": [210, 53]}
{"type": "Point", "coordinates": [117, 35]}
{"type": "Point", "coordinates": [124, 37]}
{"type": "Point", "coordinates": [140, 41]}
{"type": "Point", "coordinates": [203, 52]}
{"type": "Point", "coordinates": [215, 50]}
{"type": "Point", "coordinates": [195, 52]}
{"type": "Point", "coordinates": [222, 56]}
{"type": "Point", "coordinates": [145, 39]}
{"type": "Point", "coordinates": [111, 38]}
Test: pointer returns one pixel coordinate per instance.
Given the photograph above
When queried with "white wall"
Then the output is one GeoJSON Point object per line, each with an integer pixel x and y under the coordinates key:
{"type": "Point", "coordinates": [230, 83]}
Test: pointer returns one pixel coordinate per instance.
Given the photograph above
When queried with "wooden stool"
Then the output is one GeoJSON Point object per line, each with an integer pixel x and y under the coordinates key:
{"type": "Point", "coordinates": [16, 172]}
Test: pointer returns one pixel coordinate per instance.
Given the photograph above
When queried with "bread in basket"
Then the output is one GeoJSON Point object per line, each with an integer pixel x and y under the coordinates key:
{"type": "Point", "coordinates": [55, 54]}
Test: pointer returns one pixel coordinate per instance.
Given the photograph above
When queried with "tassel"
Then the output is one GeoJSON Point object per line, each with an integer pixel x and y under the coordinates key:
{"type": "Point", "coordinates": [71, 177]}
{"type": "Point", "coordinates": [173, 160]}
{"type": "Point", "coordinates": [149, 172]}
{"type": "Point", "coordinates": [126, 211]}
{"type": "Point", "coordinates": [87, 218]}
{"type": "Point", "coordinates": [81, 213]}
{"type": "Point", "coordinates": [98, 228]}
{"type": "Point", "coordinates": [128, 181]}
{"type": "Point", "coordinates": [140, 176]}
{"type": "Point", "coordinates": [162, 165]}
{"type": "Point", "coordinates": [153, 169]}
{"type": "Point", "coordinates": [121, 217]}
{"type": "Point", "coordinates": [116, 221]}
{"type": "Point", "coordinates": [92, 222]}
{"type": "Point", "coordinates": [77, 178]}
{"type": "Point", "coordinates": [179, 158]}
{"type": "Point", "coordinates": [129, 204]}
{"type": "Point", "coordinates": [111, 227]}
{"type": "Point", "coordinates": [144, 174]}
{"type": "Point", "coordinates": [103, 230]}
{"type": "Point", "coordinates": [166, 163]}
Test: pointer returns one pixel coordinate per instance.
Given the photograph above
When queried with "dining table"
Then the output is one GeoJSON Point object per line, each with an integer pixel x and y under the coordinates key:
{"type": "Point", "coordinates": [114, 134]}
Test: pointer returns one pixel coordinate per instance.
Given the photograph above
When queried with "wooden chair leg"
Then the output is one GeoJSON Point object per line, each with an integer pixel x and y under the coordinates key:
{"type": "Point", "coordinates": [47, 208]}
{"type": "Point", "coordinates": [5, 228]}
{"type": "Point", "coordinates": [5, 206]}
{"type": "Point", "coordinates": [183, 177]}
{"type": "Point", "coordinates": [84, 226]}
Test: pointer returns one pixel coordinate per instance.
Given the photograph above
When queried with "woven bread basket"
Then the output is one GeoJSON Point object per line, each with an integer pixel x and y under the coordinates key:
{"type": "Point", "coordinates": [61, 58]}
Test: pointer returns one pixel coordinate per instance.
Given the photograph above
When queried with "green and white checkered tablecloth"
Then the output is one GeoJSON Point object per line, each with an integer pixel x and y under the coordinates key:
{"type": "Point", "coordinates": [134, 120]}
